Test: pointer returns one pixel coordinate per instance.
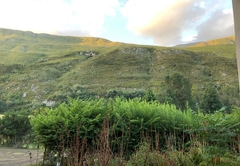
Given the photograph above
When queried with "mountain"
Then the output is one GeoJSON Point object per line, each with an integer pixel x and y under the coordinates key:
{"type": "Point", "coordinates": [42, 69]}
{"type": "Point", "coordinates": [221, 41]}
{"type": "Point", "coordinates": [19, 47]}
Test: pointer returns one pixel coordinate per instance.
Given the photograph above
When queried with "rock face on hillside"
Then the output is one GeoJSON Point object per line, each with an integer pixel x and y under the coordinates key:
{"type": "Point", "coordinates": [136, 50]}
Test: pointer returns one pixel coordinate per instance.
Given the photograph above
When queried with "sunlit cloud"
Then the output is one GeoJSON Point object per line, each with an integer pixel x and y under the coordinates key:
{"type": "Point", "coordinates": [163, 22]}
{"type": "Point", "coordinates": [166, 21]}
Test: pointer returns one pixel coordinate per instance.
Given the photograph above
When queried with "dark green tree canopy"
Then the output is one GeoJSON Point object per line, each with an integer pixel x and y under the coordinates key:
{"type": "Point", "coordinates": [14, 126]}
{"type": "Point", "coordinates": [178, 91]}
{"type": "Point", "coordinates": [211, 100]}
{"type": "Point", "coordinates": [149, 96]}
{"type": "Point", "coordinates": [2, 106]}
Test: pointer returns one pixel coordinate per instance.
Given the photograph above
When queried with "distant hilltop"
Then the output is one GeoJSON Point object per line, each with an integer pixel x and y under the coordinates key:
{"type": "Point", "coordinates": [220, 41]}
{"type": "Point", "coordinates": [226, 40]}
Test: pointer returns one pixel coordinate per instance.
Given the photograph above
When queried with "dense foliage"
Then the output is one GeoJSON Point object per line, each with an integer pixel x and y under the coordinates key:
{"type": "Point", "coordinates": [211, 100]}
{"type": "Point", "coordinates": [123, 124]}
{"type": "Point", "coordinates": [129, 120]}
{"type": "Point", "coordinates": [15, 128]}
{"type": "Point", "coordinates": [179, 91]}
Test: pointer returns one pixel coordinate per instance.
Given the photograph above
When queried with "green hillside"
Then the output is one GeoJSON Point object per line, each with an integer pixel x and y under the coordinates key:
{"type": "Point", "coordinates": [39, 69]}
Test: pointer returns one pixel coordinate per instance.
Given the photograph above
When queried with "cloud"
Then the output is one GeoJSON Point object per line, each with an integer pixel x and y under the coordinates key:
{"type": "Point", "coordinates": [219, 25]}
{"type": "Point", "coordinates": [173, 21]}
{"type": "Point", "coordinates": [166, 22]}
{"type": "Point", "coordinates": [78, 17]}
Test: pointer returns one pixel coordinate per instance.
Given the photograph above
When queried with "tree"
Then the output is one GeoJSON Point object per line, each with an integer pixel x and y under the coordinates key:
{"type": "Point", "coordinates": [2, 106]}
{"type": "Point", "coordinates": [170, 98]}
{"type": "Point", "coordinates": [149, 96]}
{"type": "Point", "coordinates": [14, 126]}
{"type": "Point", "coordinates": [114, 93]}
{"type": "Point", "coordinates": [134, 94]}
{"type": "Point", "coordinates": [178, 91]}
{"type": "Point", "coordinates": [211, 100]}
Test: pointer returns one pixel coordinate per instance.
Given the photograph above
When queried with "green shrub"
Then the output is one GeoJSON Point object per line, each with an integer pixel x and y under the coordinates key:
{"type": "Point", "coordinates": [15, 128]}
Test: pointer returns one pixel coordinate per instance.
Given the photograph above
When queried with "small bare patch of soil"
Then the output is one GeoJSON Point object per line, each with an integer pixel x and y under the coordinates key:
{"type": "Point", "coordinates": [19, 157]}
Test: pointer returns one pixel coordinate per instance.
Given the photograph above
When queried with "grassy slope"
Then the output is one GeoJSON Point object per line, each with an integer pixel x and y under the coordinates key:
{"type": "Point", "coordinates": [26, 47]}
{"type": "Point", "coordinates": [41, 66]}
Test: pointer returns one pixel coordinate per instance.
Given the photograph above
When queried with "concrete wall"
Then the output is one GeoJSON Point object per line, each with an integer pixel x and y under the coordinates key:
{"type": "Point", "coordinates": [236, 13]}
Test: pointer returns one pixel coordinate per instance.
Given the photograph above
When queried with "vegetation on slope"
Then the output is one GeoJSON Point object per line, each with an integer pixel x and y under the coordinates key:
{"type": "Point", "coordinates": [41, 69]}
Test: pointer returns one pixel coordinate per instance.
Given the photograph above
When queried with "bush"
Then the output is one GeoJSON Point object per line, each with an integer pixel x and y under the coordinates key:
{"type": "Point", "coordinates": [15, 128]}
{"type": "Point", "coordinates": [129, 122]}
{"type": "Point", "coordinates": [115, 127]}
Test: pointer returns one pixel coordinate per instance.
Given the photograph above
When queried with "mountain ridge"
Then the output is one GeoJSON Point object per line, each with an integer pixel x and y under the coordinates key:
{"type": "Point", "coordinates": [219, 41]}
{"type": "Point", "coordinates": [37, 71]}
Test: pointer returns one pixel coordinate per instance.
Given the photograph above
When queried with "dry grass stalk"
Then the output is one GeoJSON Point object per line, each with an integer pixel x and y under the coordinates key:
{"type": "Point", "coordinates": [104, 145]}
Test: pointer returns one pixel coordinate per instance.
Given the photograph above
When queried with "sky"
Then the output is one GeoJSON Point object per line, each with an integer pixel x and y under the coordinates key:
{"type": "Point", "coordinates": [146, 22]}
